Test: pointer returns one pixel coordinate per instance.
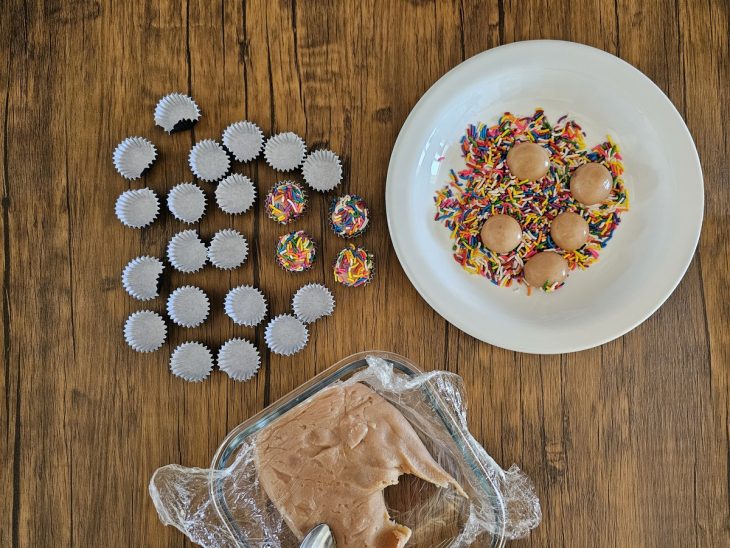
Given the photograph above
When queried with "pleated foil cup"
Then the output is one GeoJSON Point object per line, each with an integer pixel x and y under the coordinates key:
{"type": "Point", "coordinates": [133, 157]}
{"type": "Point", "coordinates": [141, 276]}
{"type": "Point", "coordinates": [354, 266]}
{"type": "Point", "coordinates": [295, 251]}
{"type": "Point", "coordinates": [188, 306]}
{"type": "Point", "coordinates": [244, 140]}
{"type": "Point", "coordinates": [186, 252]}
{"type": "Point", "coordinates": [349, 216]}
{"type": "Point", "coordinates": [235, 194]}
{"type": "Point", "coordinates": [239, 359]}
{"type": "Point", "coordinates": [228, 249]}
{"type": "Point", "coordinates": [176, 112]}
{"type": "Point", "coordinates": [286, 335]}
{"type": "Point", "coordinates": [245, 305]}
{"type": "Point", "coordinates": [285, 151]}
{"type": "Point", "coordinates": [208, 160]}
{"type": "Point", "coordinates": [286, 202]}
{"type": "Point", "coordinates": [186, 202]}
{"type": "Point", "coordinates": [312, 302]}
{"type": "Point", "coordinates": [145, 331]}
{"type": "Point", "coordinates": [137, 208]}
{"type": "Point", "coordinates": [322, 170]}
{"type": "Point", "coordinates": [191, 361]}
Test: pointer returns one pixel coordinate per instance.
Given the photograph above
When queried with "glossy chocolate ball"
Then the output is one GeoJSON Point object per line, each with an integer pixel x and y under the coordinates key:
{"type": "Point", "coordinates": [546, 267]}
{"type": "Point", "coordinates": [569, 231]}
{"type": "Point", "coordinates": [501, 233]}
{"type": "Point", "coordinates": [528, 161]}
{"type": "Point", "coordinates": [591, 184]}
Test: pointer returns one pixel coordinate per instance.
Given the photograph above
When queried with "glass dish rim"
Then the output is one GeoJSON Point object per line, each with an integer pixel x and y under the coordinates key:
{"type": "Point", "coordinates": [336, 372]}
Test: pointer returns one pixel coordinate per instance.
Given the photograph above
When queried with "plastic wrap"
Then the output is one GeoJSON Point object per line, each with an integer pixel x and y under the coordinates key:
{"type": "Point", "coordinates": [226, 505]}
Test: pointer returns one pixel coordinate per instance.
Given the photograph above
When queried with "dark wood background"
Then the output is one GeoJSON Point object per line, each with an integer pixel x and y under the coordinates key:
{"type": "Point", "coordinates": [627, 444]}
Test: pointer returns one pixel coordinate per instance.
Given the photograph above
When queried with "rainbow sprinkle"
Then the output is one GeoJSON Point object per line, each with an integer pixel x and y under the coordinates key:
{"type": "Point", "coordinates": [349, 216]}
{"type": "Point", "coordinates": [354, 266]}
{"type": "Point", "coordinates": [485, 187]}
{"type": "Point", "coordinates": [285, 202]}
{"type": "Point", "coordinates": [295, 251]}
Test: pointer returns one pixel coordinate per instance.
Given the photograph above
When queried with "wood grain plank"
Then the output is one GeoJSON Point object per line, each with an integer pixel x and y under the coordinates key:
{"type": "Point", "coordinates": [706, 59]}
{"type": "Point", "coordinates": [9, 382]}
{"type": "Point", "coordinates": [39, 288]}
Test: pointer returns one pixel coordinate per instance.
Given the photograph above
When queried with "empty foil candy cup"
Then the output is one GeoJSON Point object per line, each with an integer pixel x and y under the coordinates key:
{"type": "Point", "coordinates": [286, 335]}
{"type": "Point", "coordinates": [228, 249]}
{"type": "Point", "coordinates": [312, 302]}
{"type": "Point", "coordinates": [145, 331]}
{"type": "Point", "coordinates": [133, 157]}
{"type": "Point", "coordinates": [285, 151]}
{"type": "Point", "coordinates": [137, 208]}
{"type": "Point", "coordinates": [191, 361]}
{"type": "Point", "coordinates": [186, 202]}
{"type": "Point", "coordinates": [188, 306]}
{"type": "Point", "coordinates": [244, 140]}
{"type": "Point", "coordinates": [140, 277]}
{"type": "Point", "coordinates": [245, 305]}
{"type": "Point", "coordinates": [176, 112]}
{"type": "Point", "coordinates": [208, 160]}
{"type": "Point", "coordinates": [186, 252]}
{"type": "Point", "coordinates": [235, 194]}
{"type": "Point", "coordinates": [239, 359]}
{"type": "Point", "coordinates": [322, 170]}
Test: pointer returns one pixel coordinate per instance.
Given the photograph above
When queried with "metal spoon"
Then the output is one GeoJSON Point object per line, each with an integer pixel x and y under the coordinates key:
{"type": "Point", "coordinates": [319, 537]}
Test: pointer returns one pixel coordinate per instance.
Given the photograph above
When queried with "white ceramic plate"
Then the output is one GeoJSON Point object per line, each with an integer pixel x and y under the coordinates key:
{"type": "Point", "coordinates": [649, 252]}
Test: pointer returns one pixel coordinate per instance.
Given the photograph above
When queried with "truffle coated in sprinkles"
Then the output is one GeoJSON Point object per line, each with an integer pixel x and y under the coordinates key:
{"type": "Point", "coordinates": [295, 251]}
{"type": "Point", "coordinates": [354, 266]}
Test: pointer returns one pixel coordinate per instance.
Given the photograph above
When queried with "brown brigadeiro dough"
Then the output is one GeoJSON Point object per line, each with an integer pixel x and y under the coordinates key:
{"type": "Point", "coordinates": [546, 267]}
{"type": "Point", "coordinates": [329, 459]}
{"type": "Point", "coordinates": [501, 233]}
{"type": "Point", "coordinates": [528, 161]}
{"type": "Point", "coordinates": [591, 184]}
{"type": "Point", "coordinates": [569, 231]}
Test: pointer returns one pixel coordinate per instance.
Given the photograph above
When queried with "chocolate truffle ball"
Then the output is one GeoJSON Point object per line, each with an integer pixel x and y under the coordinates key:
{"type": "Point", "coordinates": [545, 267]}
{"type": "Point", "coordinates": [528, 161]}
{"type": "Point", "coordinates": [591, 184]}
{"type": "Point", "coordinates": [501, 233]}
{"type": "Point", "coordinates": [569, 231]}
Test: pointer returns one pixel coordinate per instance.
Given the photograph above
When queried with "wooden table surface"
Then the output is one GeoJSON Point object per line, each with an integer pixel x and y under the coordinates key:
{"type": "Point", "coordinates": [627, 444]}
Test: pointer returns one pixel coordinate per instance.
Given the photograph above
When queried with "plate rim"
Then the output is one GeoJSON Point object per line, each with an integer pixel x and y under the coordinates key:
{"type": "Point", "coordinates": [400, 145]}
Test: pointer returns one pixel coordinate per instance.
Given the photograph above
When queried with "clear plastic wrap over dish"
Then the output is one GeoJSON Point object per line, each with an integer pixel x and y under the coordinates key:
{"type": "Point", "coordinates": [227, 506]}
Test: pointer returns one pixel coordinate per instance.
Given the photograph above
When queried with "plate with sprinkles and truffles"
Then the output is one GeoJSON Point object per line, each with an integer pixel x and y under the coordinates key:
{"type": "Point", "coordinates": [545, 197]}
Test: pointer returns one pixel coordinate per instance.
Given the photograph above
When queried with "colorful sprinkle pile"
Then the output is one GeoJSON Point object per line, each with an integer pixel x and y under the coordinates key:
{"type": "Point", "coordinates": [285, 202]}
{"type": "Point", "coordinates": [354, 266]}
{"type": "Point", "coordinates": [349, 216]}
{"type": "Point", "coordinates": [486, 187]}
{"type": "Point", "coordinates": [295, 251]}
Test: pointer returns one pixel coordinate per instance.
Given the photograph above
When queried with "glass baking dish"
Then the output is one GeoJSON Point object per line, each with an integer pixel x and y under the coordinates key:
{"type": "Point", "coordinates": [443, 523]}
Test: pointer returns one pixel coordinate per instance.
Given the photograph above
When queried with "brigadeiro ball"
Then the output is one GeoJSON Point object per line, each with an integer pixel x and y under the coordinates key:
{"type": "Point", "coordinates": [569, 231]}
{"type": "Point", "coordinates": [349, 216]}
{"type": "Point", "coordinates": [295, 252]}
{"type": "Point", "coordinates": [591, 184]}
{"type": "Point", "coordinates": [528, 161]}
{"type": "Point", "coordinates": [354, 266]}
{"type": "Point", "coordinates": [545, 268]}
{"type": "Point", "coordinates": [285, 202]}
{"type": "Point", "coordinates": [501, 233]}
